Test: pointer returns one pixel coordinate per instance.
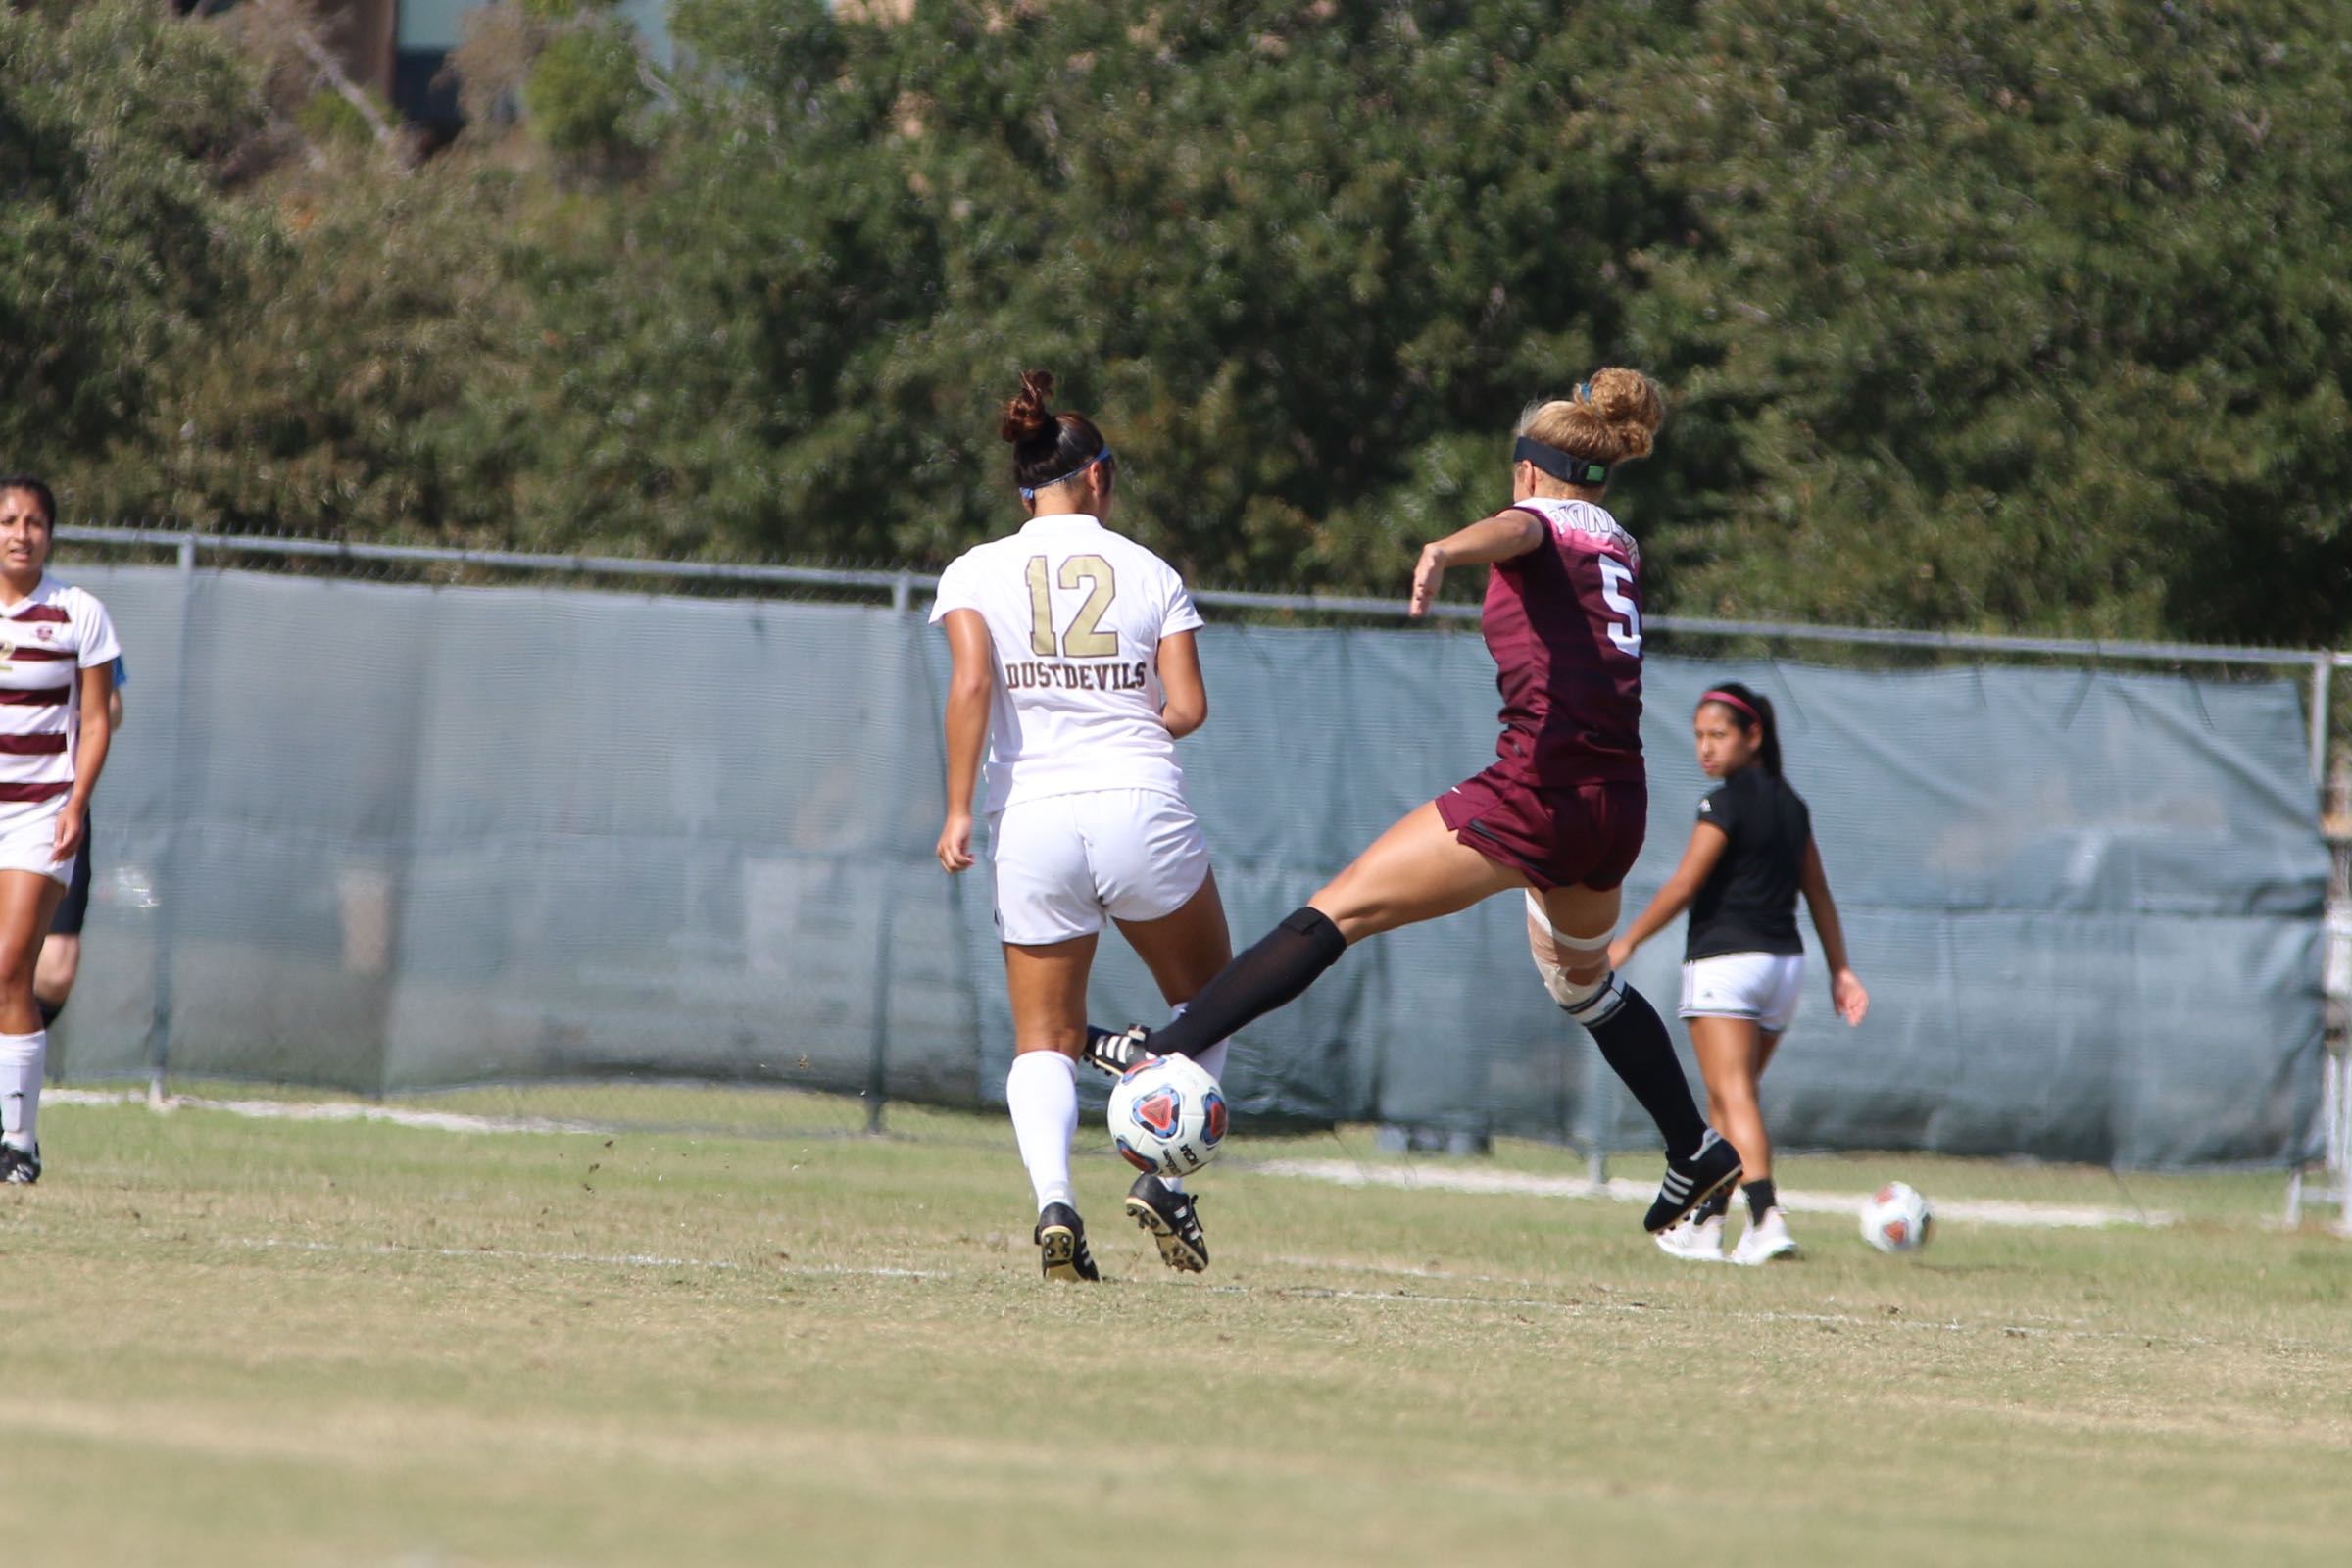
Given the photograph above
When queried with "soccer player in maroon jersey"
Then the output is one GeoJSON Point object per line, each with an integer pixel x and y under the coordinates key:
{"type": "Point", "coordinates": [1560, 815]}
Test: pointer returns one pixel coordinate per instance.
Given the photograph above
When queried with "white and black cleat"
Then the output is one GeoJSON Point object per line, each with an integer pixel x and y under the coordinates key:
{"type": "Point", "coordinates": [1714, 1167]}
{"type": "Point", "coordinates": [1118, 1053]}
{"type": "Point", "coordinates": [19, 1167]}
{"type": "Point", "coordinates": [1173, 1221]}
{"type": "Point", "coordinates": [1062, 1245]}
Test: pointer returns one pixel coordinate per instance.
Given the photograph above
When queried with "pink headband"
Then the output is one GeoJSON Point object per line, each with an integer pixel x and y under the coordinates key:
{"type": "Point", "coordinates": [1728, 701]}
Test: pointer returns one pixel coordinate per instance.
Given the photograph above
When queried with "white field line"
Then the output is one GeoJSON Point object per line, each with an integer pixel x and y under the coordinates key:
{"type": "Point", "coordinates": [508, 1254]}
{"type": "Point", "coordinates": [1525, 1184]}
{"type": "Point", "coordinates": [1338, 1172]}
{"type": "Point", "coordinates": [1555, 1305]}
{"type": "Point", "coordinates": [331, 1110]}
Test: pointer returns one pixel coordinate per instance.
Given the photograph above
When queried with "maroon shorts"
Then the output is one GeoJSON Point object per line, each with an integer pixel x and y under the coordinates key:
{"type": "Point", "coordinates": [1586, 834]}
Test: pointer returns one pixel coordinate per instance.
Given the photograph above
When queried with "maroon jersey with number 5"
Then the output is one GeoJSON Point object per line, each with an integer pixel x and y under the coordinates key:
{"type": "Point", "coordinates": [1564, 624]}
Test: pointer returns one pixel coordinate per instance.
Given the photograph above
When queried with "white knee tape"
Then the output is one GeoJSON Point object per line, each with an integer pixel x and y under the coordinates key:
{"type": "Point", "coordinates": [1570, 994]}
{"type": "Point", "coordinates": [1561, 938]}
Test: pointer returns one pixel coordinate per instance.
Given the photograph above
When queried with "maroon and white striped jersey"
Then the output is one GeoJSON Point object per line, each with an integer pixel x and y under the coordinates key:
{"type": "Point", "coordinates": [47, 639]}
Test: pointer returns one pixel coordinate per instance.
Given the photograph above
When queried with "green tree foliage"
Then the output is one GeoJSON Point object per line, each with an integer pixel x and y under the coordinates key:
{"type": "Point", "coordinates": [2030, 313]}
{"type": "Point", "coordinates": [119, 247]}
{"type": "Point", "coordinates": [1995, 314]}
{"type": "Point", "coordinates": [585, 93]}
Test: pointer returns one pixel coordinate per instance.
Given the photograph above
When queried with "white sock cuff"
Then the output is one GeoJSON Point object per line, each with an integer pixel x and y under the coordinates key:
{"type": "Point", "coordinates": [1069, 1068]}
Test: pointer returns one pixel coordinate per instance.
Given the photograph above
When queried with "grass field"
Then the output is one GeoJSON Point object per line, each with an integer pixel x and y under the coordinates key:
{"type": "Point", "coordinates": [245, 1340]}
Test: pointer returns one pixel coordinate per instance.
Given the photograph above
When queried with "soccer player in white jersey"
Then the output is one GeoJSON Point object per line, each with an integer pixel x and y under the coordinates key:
{"type": "Point", "coordinates": [1074, 659]}
{"type": "Point", "coordinates": [56, 655]}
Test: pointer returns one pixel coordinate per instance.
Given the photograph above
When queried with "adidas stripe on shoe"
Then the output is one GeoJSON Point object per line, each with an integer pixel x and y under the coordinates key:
{"type": "Point", "coordinates": [1712, 1166]}
{"type": "Point", "coordinates": [1173, 1221]}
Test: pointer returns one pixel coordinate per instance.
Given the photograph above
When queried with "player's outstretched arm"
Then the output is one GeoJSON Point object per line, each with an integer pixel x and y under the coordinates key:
{"type": "Point", "coordinates": [1187, 706]}
{"type": "Point", "coordinates": [1501, 537]}
{"type": "Point", "coordinates": [1699, 860]}
{"type": "Point", "coordinates": [970, 688]}
{"type": "Point", "coordinates": [1845, 990]}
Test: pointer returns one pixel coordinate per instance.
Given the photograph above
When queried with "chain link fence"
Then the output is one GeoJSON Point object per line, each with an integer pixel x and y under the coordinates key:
{"type": "Point", "coordinates": [395, 819]}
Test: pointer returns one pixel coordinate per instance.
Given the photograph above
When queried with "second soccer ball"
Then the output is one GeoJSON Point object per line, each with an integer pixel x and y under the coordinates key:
{"type": "Point", "coordinates": [1896, 1219]}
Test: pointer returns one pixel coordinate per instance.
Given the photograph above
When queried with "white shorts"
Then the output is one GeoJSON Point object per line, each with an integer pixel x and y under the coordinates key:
{"type": "Point", "coordinates": [1065, 862]}
{"type": "Point", "coordinates": [1762, 986]}
{"type": "Point", "coordinates": [30, 843]}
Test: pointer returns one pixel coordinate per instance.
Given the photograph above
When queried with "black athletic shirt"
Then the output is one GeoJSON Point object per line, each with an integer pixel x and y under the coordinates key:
{"type": "Point", "coordinates": [1748, 902]}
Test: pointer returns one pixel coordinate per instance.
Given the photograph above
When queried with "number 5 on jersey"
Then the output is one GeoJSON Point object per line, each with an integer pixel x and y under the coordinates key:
{"type": "Point", "coordinates": [1615, 578]}
{"type": "Point", "coordinates": [1085, 638]}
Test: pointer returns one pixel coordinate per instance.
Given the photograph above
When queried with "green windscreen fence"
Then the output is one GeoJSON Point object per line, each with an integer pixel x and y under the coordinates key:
{"type": "Point", "coordinates": [391, 838]}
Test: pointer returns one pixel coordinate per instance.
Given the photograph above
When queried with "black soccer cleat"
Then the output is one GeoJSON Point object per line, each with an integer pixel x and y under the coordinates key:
{"type": "Point", "coordinates": [1714, 1167]}
{"type": "Point", "coordinates": [1122, 1052]}
{"type": "Point", "coordinates": [19, 1167]}
{"type": "Point", "coordinates": [1173, 1221]}
{"type": "Point", "coordinates": [1062, 1245]}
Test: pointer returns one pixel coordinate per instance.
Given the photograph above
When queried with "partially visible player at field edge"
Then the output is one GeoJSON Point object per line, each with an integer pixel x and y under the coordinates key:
{"type": "Point", "coordinates": [1074, 657]}
{"type": "Point", "coordinates": [60, 962]}
{"type": "Point", "coordinates": [1752, 852]}
{"type": "Point", "coordinates": [57, 655]}
{"type": "Point", "coordinates": [1560, 815]}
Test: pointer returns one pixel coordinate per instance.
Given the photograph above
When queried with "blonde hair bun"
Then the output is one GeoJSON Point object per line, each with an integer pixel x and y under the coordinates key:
{"type": "Point", "coordinates": [1614, 418]}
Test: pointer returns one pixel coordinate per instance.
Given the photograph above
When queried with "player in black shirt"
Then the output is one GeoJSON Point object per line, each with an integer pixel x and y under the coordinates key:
{"type": "Point", "coordinates": [1750, 853]}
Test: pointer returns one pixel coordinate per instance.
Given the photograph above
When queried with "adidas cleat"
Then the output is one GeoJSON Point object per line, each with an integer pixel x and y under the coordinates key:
{"type": "Point", "coordinates": [19, 1167]}
{"type": "Point", "coordinates": [1173, 1221]}
{"type": "Point", "coordinates": [1118, 1053]}
{"type": "Point", "coordinates": [1712, 1168]}
{"type": "Point", "coordinates": [1062, 1245]}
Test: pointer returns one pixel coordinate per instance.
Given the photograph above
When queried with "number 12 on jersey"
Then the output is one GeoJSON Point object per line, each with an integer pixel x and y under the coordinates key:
{"type": "Point", "coordinates": [1615, 578]}
{"type": "Point", "coordinates": [1085, 637]}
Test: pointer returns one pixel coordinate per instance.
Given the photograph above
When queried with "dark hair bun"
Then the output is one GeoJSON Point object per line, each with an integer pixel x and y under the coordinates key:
{"type": "Point", "coordinates": [1027, 416]}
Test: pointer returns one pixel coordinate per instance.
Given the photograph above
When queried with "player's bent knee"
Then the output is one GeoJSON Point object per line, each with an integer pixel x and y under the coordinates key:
{"type": "Point", "coordinates": [1590, 1001]}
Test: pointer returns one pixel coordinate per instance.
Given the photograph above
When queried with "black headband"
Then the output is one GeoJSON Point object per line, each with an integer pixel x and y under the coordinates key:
{"type": "Point", "coordinates": [1564, 467]}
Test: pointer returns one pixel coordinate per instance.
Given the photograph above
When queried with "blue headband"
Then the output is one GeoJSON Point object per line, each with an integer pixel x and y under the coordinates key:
{"type": "Point", "coordinates": [1564, 467]}
{"type": "Point", "coordinates": [1029, 491]}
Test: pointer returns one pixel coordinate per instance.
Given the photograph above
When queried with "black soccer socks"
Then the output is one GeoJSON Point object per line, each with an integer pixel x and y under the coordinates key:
{"type": "Point", "coordinates": [1285, 962]}
{"type": "Point", "coordinates": [1639, 1049]}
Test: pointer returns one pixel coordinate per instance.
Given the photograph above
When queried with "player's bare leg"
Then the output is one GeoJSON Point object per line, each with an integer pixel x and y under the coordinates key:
{"type": "Point", "coordinates": [27, 902]}
{"type": "Point", "coordinates": [1731, 1054]}
{"type": "Point", "coordinates": [1184, 951]}
{"type": "Point", "coordinates": [53, 976]}
{"type": "Point", "coordinates": [1414, 872]}
{"type": "Point", "coordinates": [1727, 1050]}
{"type": "Point", "coordinates": [1047, 985]}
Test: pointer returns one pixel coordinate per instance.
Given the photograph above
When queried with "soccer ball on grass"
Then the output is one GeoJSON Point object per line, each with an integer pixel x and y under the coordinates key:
{"type": "Point", "coordinates": [1167, 1116]}
{"type": "Point", "coordinates": [1896, 1219]}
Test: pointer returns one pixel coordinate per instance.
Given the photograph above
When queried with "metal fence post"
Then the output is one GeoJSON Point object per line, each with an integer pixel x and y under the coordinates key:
{"type": "Point", "coordinates": [2323, 669]}
{"type": "Point", "coordinates": [877, 1077]}
{"type": "Point", "coordinates": [158, 1029]}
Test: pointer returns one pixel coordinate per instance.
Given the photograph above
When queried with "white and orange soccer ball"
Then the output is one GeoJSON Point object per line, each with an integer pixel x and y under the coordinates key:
{"type": "Point", "coordinates": [1167, 1116]}
{"type": "Point", "coordinates": [1898, 1219]}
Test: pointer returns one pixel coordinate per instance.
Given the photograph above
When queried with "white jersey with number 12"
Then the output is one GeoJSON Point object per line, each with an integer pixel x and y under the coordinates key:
{"type": "Point", "coordinates": [1076, 615]}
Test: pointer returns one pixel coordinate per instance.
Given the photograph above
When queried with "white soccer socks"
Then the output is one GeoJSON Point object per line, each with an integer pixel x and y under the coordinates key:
{"type": "Point", "coordinates": [22, 1060]}
{"type": "Point", "coordinates": [1041, 1094]}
